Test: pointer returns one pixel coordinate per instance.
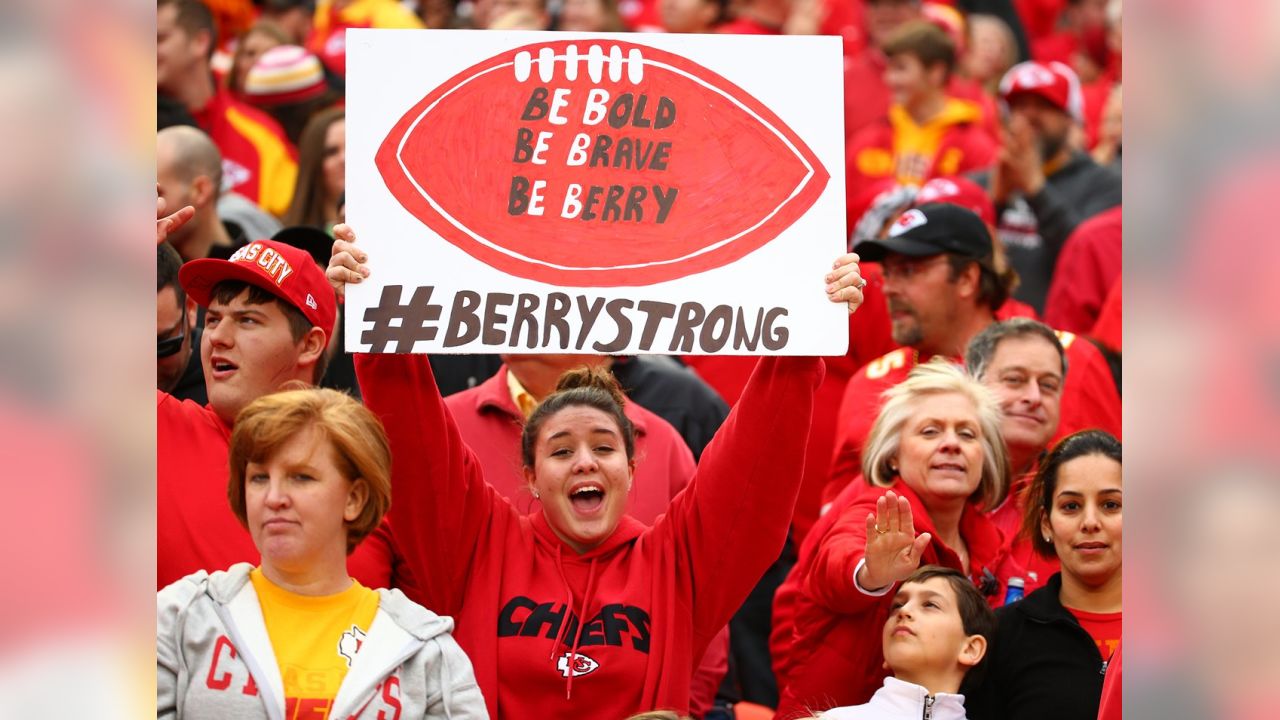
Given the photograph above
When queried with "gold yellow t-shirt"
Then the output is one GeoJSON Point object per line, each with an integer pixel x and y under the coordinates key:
{"type": "Point", "coordinates": [315, 640]}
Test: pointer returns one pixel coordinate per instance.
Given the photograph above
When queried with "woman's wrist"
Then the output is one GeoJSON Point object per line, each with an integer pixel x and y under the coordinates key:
{"type": "Point", "coordinates": [863, 581]}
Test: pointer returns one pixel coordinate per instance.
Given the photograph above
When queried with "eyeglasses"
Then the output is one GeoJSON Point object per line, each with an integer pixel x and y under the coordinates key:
{"type": "Point", "coordinates": [905, 270]}
{"type": "Point", "coordinates": [168, 347]}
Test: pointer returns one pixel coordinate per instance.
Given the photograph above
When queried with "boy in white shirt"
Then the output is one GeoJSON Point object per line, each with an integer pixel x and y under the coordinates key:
{"type": "Point", "coordinates": [937, 632]}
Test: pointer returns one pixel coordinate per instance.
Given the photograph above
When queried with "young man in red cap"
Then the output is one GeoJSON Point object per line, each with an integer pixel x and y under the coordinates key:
{"type": "Point", "coordinates": [269, 314]}
{"type": "Point", "coordinates": [1043, 185]}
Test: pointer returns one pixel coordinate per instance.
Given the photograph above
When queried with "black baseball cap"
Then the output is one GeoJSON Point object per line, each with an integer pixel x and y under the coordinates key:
{"type": "Point", "coordinates": [315, 241]}
{"type": "Point", "coordinates": [930, 230]}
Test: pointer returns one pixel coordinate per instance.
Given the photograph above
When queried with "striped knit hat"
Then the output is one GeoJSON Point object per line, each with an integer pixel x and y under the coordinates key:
{"type": "Point", "coordinates": [285, 74]}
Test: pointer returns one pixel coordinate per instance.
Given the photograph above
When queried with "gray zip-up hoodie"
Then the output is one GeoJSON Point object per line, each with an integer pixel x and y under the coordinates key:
{"type": "Point", "coordinates": [214, 658]}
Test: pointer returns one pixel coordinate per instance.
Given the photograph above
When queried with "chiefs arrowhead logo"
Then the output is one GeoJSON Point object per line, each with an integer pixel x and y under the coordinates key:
{"type": "Point", "coordinates": [598, 163]}
{"type": "Point", "coordinates": [910, 219]}
{"type": "Point", "coordinates": [580, 665]}
{"type": "Point", "coordinates": [234, 174]}
{"type": "Point", "coordinates": [350, 643]}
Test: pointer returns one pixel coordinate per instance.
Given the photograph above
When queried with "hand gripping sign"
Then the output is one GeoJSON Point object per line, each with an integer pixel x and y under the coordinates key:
{"type": "Point", "coordinates": [592, 193]}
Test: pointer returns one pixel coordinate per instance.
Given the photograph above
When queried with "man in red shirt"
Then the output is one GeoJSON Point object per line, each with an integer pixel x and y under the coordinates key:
{"type": "Point", "coordinates": [269, 313]}
{"type": "Point", "coordinates": [257, 160]}
{"type": "Point", "coordinates": [1023, 362]}
{"type": "Point", "coordinates": [942, 290]}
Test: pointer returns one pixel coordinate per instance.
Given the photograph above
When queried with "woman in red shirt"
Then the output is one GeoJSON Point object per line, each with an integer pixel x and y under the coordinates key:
{"type": "Point", "coordinates": [578, 609]}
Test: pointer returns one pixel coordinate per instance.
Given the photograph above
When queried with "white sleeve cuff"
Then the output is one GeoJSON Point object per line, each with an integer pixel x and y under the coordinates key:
{"type": "Point", "coordinates": [873, 593]}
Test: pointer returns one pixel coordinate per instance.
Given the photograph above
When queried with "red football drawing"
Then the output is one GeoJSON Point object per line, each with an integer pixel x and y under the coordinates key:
{"type": "Point", "coordinates": [598, 163]}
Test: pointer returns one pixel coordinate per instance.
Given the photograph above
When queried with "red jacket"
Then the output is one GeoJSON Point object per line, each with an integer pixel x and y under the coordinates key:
{"type": "Point", "coordinates": [952, 143]}
{"type": "Point", "coordinates": [1087, 268]}
{"type": "Point", "coordinates": [1089, 400]}
{"type": "Point", "coordinates": [654, 596]}
{"type": "Point", "coordinates": [1008, 517]}
{"type": "Point", "coordinates": [491, 425]}
{"type": "Point", "coordinates": [195, 528]}
{"type": "Point", "coordinates": [1109, 329]}
{"type": "Point", "coordinates": [257, 159]}
{"type": "Point", "coordinates": [867, 339]}
{"type": "Point", "coordinates": [826, 636]}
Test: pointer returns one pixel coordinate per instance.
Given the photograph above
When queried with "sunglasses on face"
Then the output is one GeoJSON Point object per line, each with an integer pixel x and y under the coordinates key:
{"type": "Point", "coordinates": [170, 346]}
{"type": "Point", "coordinates": [906, 269]}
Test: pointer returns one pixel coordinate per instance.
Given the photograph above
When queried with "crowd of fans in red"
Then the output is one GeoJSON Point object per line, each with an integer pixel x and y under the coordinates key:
{"type": "Point", "coordinates": [983, 154]}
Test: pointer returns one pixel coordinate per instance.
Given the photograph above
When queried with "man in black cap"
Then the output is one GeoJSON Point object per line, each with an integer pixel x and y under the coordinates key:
{"type": "Point", "coordinates": [942, 288]}
{"type": "Point", "coordinates": [940, 282]}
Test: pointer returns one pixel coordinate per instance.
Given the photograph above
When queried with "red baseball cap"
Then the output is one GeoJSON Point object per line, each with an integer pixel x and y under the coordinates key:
{"type": "Point", "coordinates": [285, 271]}
{"type": "Point", "coordinates": [1052, 81]}
{"type": "Point", "coordinates": [958, 191]}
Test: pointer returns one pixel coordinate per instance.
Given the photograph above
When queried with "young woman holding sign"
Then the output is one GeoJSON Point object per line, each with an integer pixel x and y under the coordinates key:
{"type": "Point", "coordinates": [579, 610]}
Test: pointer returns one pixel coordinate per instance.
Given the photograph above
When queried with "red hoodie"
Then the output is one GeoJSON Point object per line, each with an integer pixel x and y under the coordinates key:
{"type": "Point", "coordinates": [491, 425]}
{"type": "Point", "coordinates": [653, 597]}
{"type": "Point", "coordinates": [825, 641]}
{"type": "Point", "coordinates": [1089, 400]}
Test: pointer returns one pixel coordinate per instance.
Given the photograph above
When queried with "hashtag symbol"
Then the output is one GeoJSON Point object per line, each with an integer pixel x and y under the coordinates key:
{"type": "Point", "coordinates": [413, 318]}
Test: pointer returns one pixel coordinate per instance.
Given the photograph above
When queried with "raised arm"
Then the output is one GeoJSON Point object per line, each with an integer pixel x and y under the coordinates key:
{"type": "Point", "coordinates": [732, 520]}
{"type": "Point", "coordinates": [440, 501]}
{"type": "Point", "coordinates": [873, 541]}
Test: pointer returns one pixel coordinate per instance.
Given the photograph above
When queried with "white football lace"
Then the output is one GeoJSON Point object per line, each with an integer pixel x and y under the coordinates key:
{"type": "Point", "coordinates": [595, 59]}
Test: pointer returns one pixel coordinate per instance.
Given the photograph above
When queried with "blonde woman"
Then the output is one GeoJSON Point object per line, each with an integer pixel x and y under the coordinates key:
{"type": "Point", "coordinates": [933, 463]}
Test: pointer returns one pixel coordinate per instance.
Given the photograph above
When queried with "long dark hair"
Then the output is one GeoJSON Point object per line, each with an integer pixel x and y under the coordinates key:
{"type": "Point", "coordinates": [307, 207]}
{"type": "Point", "coordinates": [1040, 494]}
